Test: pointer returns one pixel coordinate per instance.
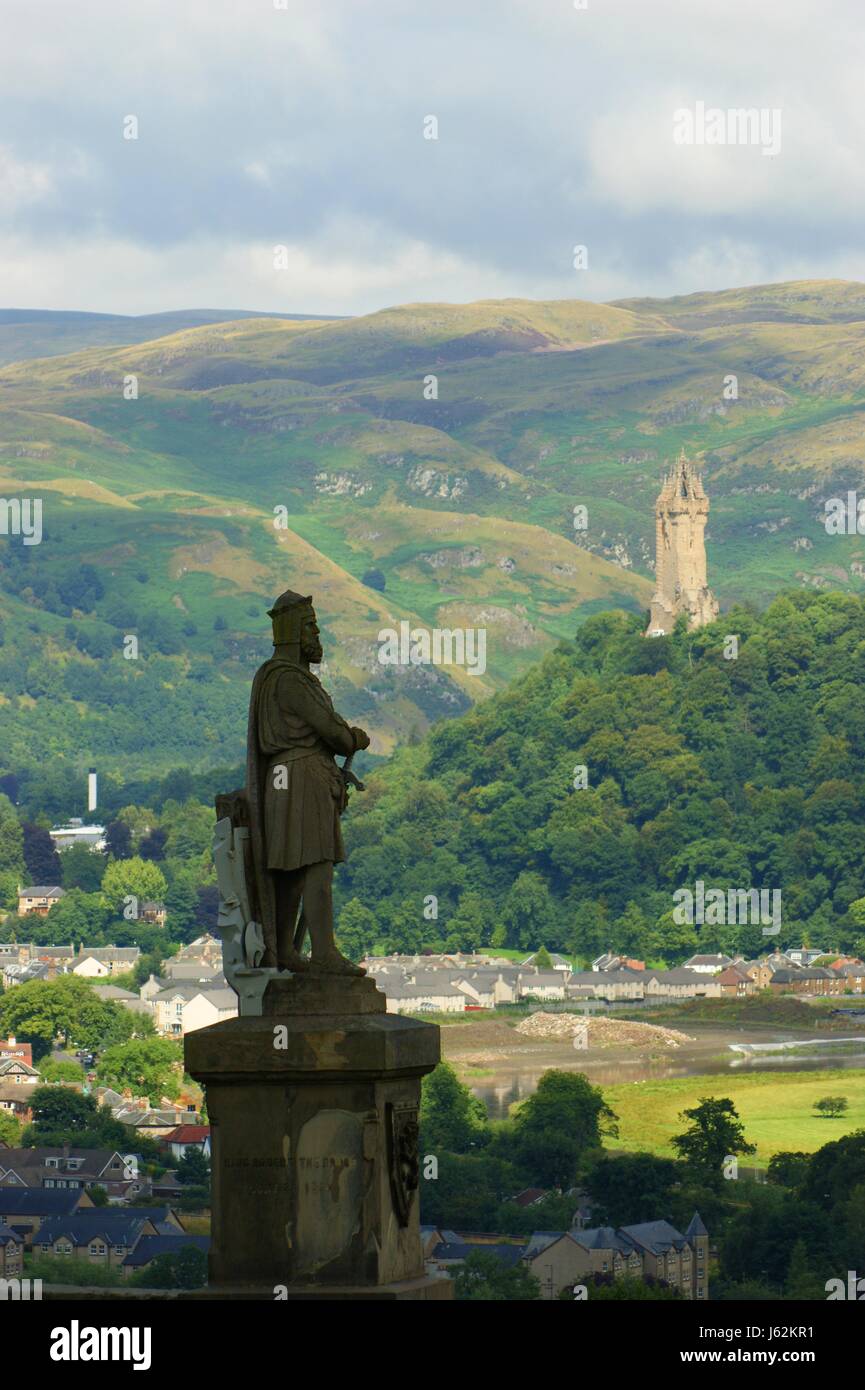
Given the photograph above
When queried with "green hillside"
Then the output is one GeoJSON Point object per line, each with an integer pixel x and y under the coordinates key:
{"type": "Point", "coordinates": [159, 510]}
{"type": "Point", "coordinates": [743, 773]}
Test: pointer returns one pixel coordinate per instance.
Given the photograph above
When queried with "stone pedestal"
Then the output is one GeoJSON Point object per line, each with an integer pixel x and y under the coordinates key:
{"type": "Point", "coordinates": [313, 1109]}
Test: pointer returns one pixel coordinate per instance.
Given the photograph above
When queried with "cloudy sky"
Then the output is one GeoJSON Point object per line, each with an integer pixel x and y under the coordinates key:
{"type": "Point", "coordinates": [300, 123]}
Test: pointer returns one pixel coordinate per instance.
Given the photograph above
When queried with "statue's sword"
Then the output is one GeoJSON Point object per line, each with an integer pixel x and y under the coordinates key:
{"type": "Point", "coordinates": [348, 776]}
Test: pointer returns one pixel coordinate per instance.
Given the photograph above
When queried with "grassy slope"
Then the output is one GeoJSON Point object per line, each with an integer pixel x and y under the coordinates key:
{"type": "Point", "coordinates": [775, 1108]}
{"type": "Point", "coordinates": [42, 333]}
{"type": "Point", "coordinates": [464, 502]}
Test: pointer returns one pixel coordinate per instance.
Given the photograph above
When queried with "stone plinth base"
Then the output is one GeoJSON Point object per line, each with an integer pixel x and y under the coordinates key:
{"type": "Point", "coordinates": [313, 1109]}
{"type": "Point", "coordinates": [322, 994]}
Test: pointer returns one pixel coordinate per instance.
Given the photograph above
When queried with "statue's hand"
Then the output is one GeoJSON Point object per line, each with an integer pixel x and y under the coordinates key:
{"type": "Point", "coordinates": [361, 738]}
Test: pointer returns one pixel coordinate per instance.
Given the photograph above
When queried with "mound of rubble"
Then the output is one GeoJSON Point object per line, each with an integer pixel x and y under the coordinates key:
{"type": "Point", "coordinates": [599, 1032]}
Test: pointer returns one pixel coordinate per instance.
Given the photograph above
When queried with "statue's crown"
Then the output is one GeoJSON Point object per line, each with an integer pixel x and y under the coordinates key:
{"type": "Point", "coordinates": [288, 615]}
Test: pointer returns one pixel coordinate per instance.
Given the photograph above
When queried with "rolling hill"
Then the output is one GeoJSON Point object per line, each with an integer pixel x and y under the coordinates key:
{"type": "Point", "coordinates": [190, 469]}
{"type": "Point", "coordinates": [26, 333]}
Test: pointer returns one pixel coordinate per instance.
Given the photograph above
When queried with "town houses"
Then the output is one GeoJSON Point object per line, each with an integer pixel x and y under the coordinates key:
{"type": "Point", "coordinates": [650, 1251]}
{"type": "Point", "coordinates": [454, 983]}
{"type": "Point", "coordinates": [192, 992]}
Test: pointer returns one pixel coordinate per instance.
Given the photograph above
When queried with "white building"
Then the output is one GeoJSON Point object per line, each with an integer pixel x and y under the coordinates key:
{"type": "Point", "coordinates": [707, 965]}
{"type": "Point", "coordinates": [75, 832]}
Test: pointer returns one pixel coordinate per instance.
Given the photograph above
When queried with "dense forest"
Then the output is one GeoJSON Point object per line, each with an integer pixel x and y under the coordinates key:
{"type": "Point", "coordinates": [566, 810]}
{"type": "Point", "coordinates": [737, 764]}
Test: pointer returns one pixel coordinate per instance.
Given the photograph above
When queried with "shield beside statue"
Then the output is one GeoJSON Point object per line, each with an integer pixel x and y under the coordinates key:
{"type": "Point", "coordinates": [403, 1161]}
{"type": "Point", "coordinates": [237, 922]}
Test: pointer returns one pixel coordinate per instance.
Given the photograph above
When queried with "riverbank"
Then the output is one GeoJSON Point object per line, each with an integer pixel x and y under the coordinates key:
{"type": "Point", "coordinates": [762, 1011]}
{"type": "Point", "coordinates": [503, 1066]}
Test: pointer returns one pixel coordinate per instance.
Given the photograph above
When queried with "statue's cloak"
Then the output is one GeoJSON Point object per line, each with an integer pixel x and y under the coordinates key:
{"type": "Point", "coordinates": [293, 735]}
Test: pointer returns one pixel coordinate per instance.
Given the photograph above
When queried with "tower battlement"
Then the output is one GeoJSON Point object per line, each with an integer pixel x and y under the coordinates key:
{"type": "Point", "coordinates": [681, 584]}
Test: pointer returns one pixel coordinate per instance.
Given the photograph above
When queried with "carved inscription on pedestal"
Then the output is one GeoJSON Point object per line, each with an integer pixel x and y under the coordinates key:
{"type": "Point", "coordinates": [330, 1178]}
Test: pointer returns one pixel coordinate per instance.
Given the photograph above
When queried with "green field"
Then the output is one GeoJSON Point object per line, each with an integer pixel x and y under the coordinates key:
{"type": "Point", "coordinates": [776, 1111]}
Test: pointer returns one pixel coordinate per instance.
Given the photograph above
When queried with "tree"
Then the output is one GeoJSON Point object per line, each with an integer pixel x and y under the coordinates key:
{"type": "Point", "coordinates": [82, 867]}
{"type": "Point", "coordinates": [9, 882]}
{"type": "Point", "coordinates": [715, 1133]}
{"type": "Point", "coordinates": [40, 856]}
{"type": "Point", "coordinates": [150, 962]}
{"type": "Point", "coordinates": [467, 1190]}
{"type": "Point", "coordinates": [528, 913]}
{"type": "Point", "coordinates": [451, 1118]}
{"type": "Point", "coordinates": [206, 909]}
{"type": "Point", "coordinates": [626, 1186]}
{"type": "Point", "coordinates": [152, 846]}
{"type": "Point", "coordinates": [180, 1269]}
{"type": "Point", "coordinates": [118, 839]}
{"type": "Point", "coordinates": [675, 940]}
{"type": "Point", "coordinates": [60, 1107]}
{"type": "Point", "coordinates": [10, 1130]}
{"type": "Point", "coordinates": [787, 1169]}
{"type": "Point", "coordinates": [802, 1283]}
{"type": "Point", "coordinates": [61, 1115]}
{"type": "Point", "coordinates": [606, 1287]}
{"type": "Point", "coordinates": [835, 1169]}
{"type": "Point", "coordinates": [181, 901]}
{"type": "Point", "coordinates": [69, 1269]}
{"type": "Point", "coordinates": [374, 579]}
{"type": "Point", "coordinates": [832, 1107]}
{"type": "Point", "coordinates": [543, 960]}
{"type": "Point", "coordinates": [189, 826]}
{"type": "Point", "coordinates": [472, 923]}
{"type": "Point", "coordinates": [589, 931]}
{"type": "Point", "coordinates": [139, 820]}
{"type": "Point", "coordinates": [551, 1213]}
{"type": "Point", "coordinates": [358, 930]}
{"type": "Point", "coordinates": [133, 878]}
{"type": "Point", "coordinates": [193, 1169]}
{"type": "Point", "coordinates": [556, 1126]}
{"type": "Point", "coordinates": [67, 1007]}
{"type": "Point", "coordinates": [632, 932]}
{"type": "Point", "coordinates": [11, 842]}
{"type": "Point", "coordinates": [484, 1278]}
{"type": "Point", "coordinates": [851, 1225]}
{"type": "Point", "coordinates": [148, 1066]}
{"type": "Point", "coordinates": [51, 1069]}
{"type": "Point", "coordinates": [77, 917]}
{"type": "Point", "coordinates": [761, 1235]}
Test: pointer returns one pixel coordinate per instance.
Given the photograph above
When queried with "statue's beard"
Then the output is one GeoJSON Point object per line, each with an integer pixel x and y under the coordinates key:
{"type": "Point", "coordinates": [312, 652]}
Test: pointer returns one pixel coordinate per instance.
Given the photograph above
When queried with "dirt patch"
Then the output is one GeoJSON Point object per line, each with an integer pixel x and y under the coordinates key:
{"type": "Point", "coordinates": [486, 1038]}
{"type": "Point", "coordinates": [599, 1032]}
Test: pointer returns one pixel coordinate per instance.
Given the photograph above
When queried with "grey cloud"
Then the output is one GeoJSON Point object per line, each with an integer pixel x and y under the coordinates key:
{"type": "Point", "coordinates": [260, 127]}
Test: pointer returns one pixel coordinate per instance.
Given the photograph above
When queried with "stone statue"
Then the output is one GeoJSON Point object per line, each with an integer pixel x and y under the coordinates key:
{"type": "Point", "coordinates": [313, 1091]}
{"type": "Point", "coordinates": [278, 840]}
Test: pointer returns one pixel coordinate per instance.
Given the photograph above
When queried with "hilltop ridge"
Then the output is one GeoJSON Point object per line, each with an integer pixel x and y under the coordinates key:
{"type": "Point", "coordinates": [426, 461]}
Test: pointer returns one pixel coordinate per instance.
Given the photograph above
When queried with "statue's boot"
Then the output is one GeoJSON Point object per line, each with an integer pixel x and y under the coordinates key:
{"type": "Point", "coordinates": [332, 962]}
{"type": "Point", "coordinates": [292, 960]}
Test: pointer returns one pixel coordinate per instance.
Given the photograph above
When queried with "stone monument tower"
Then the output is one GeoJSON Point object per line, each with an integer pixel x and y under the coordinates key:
{"type": "Point", "coordinates": [681, 585]}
